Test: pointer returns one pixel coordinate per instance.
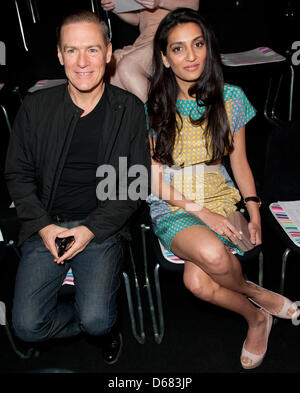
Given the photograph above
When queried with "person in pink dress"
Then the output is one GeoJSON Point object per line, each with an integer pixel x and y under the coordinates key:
{"type": "Point", "coordinates": [130, 66]}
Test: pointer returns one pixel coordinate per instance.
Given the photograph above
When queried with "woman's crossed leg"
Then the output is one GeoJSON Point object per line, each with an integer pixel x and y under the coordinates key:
{"type": "Point", "coordinates": [213, 274]}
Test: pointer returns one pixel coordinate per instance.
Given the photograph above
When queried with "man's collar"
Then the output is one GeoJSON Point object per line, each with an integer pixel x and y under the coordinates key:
{"type": "Point", "coordinates": [113, 98]}
{"type": "Point", "coordinates": [111, 95]}
{"type": "Point", "coordinates": [69, 102]}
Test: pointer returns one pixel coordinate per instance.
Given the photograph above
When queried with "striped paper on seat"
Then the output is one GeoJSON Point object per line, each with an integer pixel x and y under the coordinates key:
{"type": "Point", "coordinates": [255, 56]}
{"type": "Point", "coordinates": [288, 216]}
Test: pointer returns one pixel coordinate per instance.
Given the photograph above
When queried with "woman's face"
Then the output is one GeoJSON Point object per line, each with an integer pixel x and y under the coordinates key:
{"type": "Point", "coordinates": [186, 53]}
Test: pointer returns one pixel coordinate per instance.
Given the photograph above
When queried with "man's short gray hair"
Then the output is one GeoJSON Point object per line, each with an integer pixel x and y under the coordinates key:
{"type": "Point", "coordinates": [83, 16]}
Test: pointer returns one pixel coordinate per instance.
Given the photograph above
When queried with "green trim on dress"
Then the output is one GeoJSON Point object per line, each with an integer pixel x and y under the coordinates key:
{"type": "Point", "coordinates": [168, 226]}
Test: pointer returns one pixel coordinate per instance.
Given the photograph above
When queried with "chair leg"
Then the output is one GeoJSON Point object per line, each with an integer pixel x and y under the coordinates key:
{"type": "Point", "coordinates": [269, 118]}
{"type": "Point", "coordinates": [261, 269]}
{"type": "Point", "coordinates": [140, 337]}
{"type": "Point", "coordinates": [95, 6]}
{"type": "Point", "coordinates": [6, 118]}
{"type": "Point", "coordinates": [283, 269]}
{"type": "Point", "coordinates": [21, 26]}
{"type": "Point", "coordinates": [158, 332]}
{"type": "Point", "coordinates": [273, 115]}
{"type": "Point", "coordinates": [33, 10]}
{"type": "Point", "coordinates": [22, 354]}
{"type": "Point", "coordinates": [12, 244]}
{"type": "Point", "coordinates": [273, 119]}
{"type": "Point", "coordinates": [291, 93]}
{"type": "Point", "coordinates": [159, 305]}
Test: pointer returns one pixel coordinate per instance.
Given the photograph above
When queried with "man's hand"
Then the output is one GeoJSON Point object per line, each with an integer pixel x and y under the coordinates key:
{"type": "Point", "coordinates": [82, 236]}
{"type": "Point", "coordinates": [49, 234]}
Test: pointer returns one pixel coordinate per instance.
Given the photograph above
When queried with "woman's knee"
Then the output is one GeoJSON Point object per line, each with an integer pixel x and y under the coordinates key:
{"type": "Point", "coordinates": [215, 259]}
{"type": "Point", "coordinates": [129, 69]}
{"type": "Point", "coordinates": [202, 288]}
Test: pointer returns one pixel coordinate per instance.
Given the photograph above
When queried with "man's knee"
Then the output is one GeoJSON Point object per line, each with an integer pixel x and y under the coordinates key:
{"type": "Point", "coordinates": [28, 329]}
{"type": "Point", "coordinates": [96, 324]}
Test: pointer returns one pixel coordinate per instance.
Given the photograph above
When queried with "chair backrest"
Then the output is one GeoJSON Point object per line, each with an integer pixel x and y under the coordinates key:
{"type": "Point", "coordinates": [9, 224]}
{"type": "Point", "coordinates": [282, 165]}
{"type": "Point", "coordinates": [233, 18]}
{"type": "Point", "coordinates": [10, 101]}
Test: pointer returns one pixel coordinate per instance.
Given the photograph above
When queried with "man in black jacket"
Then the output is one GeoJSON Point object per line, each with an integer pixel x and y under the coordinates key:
{"type": "Point", "coordinates": [65, 140]}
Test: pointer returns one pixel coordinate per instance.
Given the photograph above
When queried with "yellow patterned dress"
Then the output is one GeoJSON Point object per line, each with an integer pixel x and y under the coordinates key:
{"type": "Point", "coordinates": [210, 186]}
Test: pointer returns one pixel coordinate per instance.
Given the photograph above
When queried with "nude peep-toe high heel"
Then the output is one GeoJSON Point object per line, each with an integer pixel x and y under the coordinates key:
{"type": "Point", "coordinates": [287, 304]}
{"type": "Point", "coordinates": [255, 360]}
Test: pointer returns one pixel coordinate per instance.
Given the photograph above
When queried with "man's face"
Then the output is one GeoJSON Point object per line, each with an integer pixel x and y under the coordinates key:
{"type": "Point", "coordinates": [84, 54]}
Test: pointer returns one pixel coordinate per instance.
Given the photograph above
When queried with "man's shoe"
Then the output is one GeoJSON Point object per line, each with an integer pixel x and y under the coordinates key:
{"type": "Point", "coordinates": [112, 347]}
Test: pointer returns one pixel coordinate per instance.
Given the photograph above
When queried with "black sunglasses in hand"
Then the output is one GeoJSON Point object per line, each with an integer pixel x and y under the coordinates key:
{"type": "Point", "coordinates": [63, 243]}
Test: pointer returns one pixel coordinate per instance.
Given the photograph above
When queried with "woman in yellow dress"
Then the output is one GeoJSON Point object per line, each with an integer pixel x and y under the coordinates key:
{"type": "Point", "coordinates": [130, 66]}
{"type": "Point", "coordinates": [195, 120]}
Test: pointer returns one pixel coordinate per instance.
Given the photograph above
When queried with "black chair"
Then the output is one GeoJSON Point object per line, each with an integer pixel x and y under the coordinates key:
{"type": "Point", "coordinates": [9, 228]}
{"type": "Point", "coordinates": [264, 84]}
{"type": "Point", "coordinates": [276, 69]}
{"type": "Point", "coordinates": [4, 110]}
{"type": "Point", "coordinates": [26, 10]}
{"type": "Point", "coordinates": [10, 101]}
{"type": "Point", "coordinates": [281, 183]}
{"type": "Point", "coordinates": [28, 14]}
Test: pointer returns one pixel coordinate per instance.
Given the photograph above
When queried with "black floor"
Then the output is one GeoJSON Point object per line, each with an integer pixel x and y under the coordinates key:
{"type": "Point", "coordinates": [199, 338]}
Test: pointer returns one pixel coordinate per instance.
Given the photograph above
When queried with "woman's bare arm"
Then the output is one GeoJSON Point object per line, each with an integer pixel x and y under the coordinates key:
{"type": "Point", "coordinates": [245, 181]}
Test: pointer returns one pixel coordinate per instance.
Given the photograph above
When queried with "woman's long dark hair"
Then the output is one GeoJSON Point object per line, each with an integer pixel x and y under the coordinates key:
{"type": "Point", "coordinates": [208, 91]}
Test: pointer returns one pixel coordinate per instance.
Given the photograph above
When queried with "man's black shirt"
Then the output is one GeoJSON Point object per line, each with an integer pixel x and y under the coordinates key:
{"type": "Point", "coordinates": [76, 192]}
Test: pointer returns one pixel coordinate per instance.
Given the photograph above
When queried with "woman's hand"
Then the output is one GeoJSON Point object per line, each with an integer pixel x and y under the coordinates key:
{"type": "Point", "coordinates": [255, 233]}
{"type": "Point", "coordinates": [150, 4]}
{"type": "Point", "coordinates": [107, 5]}
{"type": "Point", "coordinates": [219, 224]}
